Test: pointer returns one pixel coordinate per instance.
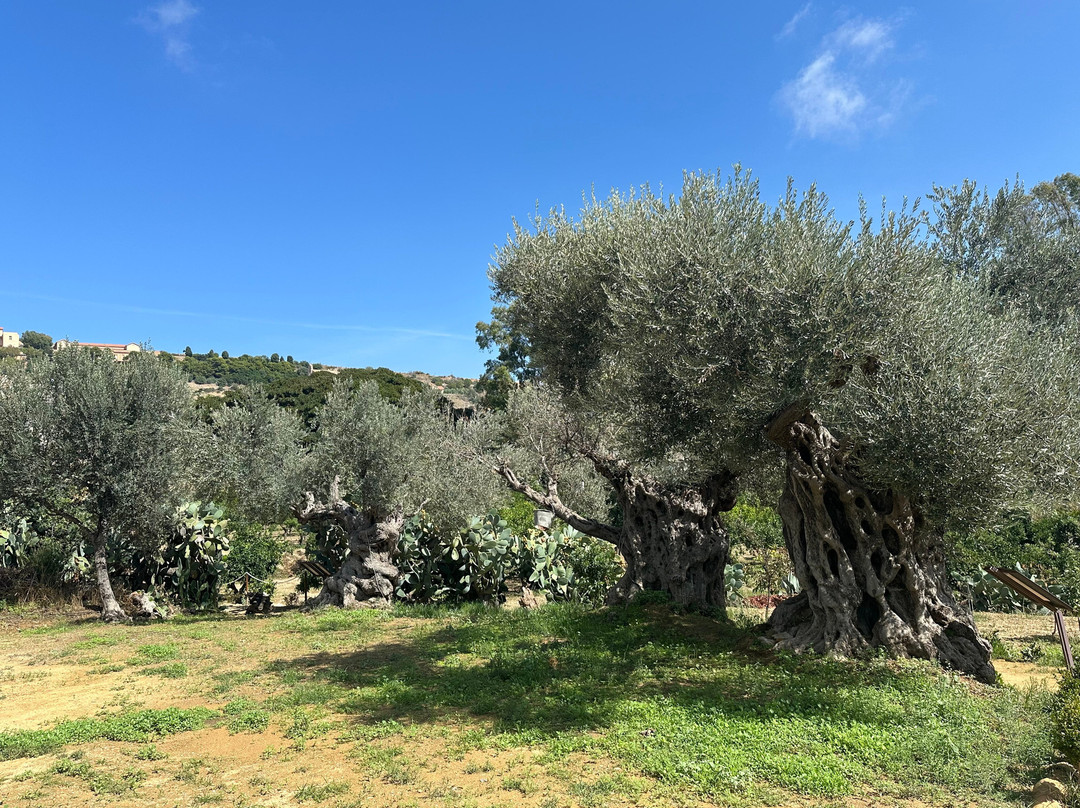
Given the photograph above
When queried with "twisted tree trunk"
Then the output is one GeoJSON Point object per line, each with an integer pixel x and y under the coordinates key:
{"type": "Point", "coordinates": [671, 538]}
{"type": "Point", "coordinates": [872, 576]}
{"type": "Point", "coordinates": [368, 576]}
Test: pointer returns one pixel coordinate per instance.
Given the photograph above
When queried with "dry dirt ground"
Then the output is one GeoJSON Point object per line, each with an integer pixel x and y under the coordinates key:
{"type": "Point", "coordinates": [1032, 634]}
{"type": "Point", "coordinates": [87, 669]}
{"type": "Point", "coordinates": [65, 666]}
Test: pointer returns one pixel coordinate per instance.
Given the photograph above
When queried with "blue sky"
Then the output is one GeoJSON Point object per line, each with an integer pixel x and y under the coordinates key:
{"type": "Point", "coordinates": [330, 180]}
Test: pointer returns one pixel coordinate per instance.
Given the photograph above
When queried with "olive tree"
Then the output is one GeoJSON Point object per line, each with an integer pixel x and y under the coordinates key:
{"type": "Point", "coordinates": [254, 456]}
{"type": "Point", "coordinates": [1023, 248]}
{"type": "Point", "coordinates": [376, 463]}
{"type": "Point", "coordinates": [706, 331]}
{"type": "Point", "coordinates": [669, 534]}
{"type": "Point", "coordinates": [97, 443]}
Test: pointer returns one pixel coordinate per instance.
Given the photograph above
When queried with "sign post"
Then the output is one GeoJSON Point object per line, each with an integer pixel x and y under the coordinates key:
{"type": "Point", "coordinates": [1025, 587]}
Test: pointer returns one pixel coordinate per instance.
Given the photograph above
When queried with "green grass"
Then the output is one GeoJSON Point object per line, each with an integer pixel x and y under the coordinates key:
{"type": "Point", "coordinates": [678, 703]}
{"type": "Point", "coordinates": [321, 793]}
{"type": "Point", "coordinates": [150, 654]}
{"type": "Point", "coordinates": [133, 727]}
{"type": "Point", "coordinates": [246, 716]}
{"type": "Point", "coordinates": [709, 714]}
{"type": "Point", "coordinates": [99, 782]}
{"type": "Point", "coordinates": [174, 670]}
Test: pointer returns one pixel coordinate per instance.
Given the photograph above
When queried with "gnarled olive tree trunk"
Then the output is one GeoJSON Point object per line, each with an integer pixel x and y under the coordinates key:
{"type": "Point", "coordinates": [368, 576]}
{"type": "Point", "coordinates": [671, 538]}
{"type": "Point", "coordinates": [872, 576]}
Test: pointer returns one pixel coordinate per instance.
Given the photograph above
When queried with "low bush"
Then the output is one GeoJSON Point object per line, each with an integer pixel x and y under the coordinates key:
{"type": "Point", "coordinates": [254, 549]}
{"type": "Point", "coordinates": [1065, 710]}
{"type": "Point", "coordinates": [477, 562]}
{"type": "Point", "coordinates": [1044, 546]}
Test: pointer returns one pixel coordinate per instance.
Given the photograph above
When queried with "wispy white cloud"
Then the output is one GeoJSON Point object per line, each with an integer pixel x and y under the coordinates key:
{"type": "Point", "coordinates": [344, 327]}
{"type": "Point", "coordinates": [823, 100]}
{"type": "Point", "coordinates": [869, 38]}
{"type": "Point", "coordinates": [793, 23]}
{"type": "Point", "coordinates": [171, 20]}
{"type": "Point", "coordinates": [845, 90]}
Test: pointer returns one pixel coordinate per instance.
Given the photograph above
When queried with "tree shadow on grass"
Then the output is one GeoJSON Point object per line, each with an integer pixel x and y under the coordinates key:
{"type": "Point", "coordinates": [659, 685]}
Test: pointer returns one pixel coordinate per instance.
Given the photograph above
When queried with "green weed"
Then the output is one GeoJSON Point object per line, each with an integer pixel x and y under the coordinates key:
{"type": "Point", "coordinates": [321, 793]}
{"type": "Point", "coordinates": [100, 782]}
{"type": "Point", "coordinates": [247, 716]}
{"type": "Point", "coordinates": [149, 752]}
{"type": "Point", "coordinates": [174, 670]}
{"type": "Point", "coordinates": [133, 727]}
{"type": "Point", "coordinates": [149, 654]}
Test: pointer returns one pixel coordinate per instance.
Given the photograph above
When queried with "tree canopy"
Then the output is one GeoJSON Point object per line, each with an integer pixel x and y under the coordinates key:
{"type": "Point", "coordinates": [97, 443]}
{"type": "Point", "coordinates": [683, 325]}
{"type": "Point", "coordinates": [400, 457]}
{"type": "Point", "coordinates": [36, 340]}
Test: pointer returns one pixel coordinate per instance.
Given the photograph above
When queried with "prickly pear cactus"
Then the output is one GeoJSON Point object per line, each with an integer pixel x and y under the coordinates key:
{"type": "Point", "coordinates": [195, 556]}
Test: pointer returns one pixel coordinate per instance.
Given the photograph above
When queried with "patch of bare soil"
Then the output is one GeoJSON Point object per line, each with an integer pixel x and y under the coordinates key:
{"type": "Point", "coordinates": [1024, 630]}
{"type": "Point", "coordinates": [1023, 675]}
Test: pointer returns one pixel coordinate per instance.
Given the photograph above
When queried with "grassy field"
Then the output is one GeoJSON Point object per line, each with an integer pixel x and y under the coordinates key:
{"type": "Point", "coordinates": [482, 707]}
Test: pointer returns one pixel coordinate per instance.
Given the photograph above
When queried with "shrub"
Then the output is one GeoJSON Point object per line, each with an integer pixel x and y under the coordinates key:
{"type": "Point", "coordinates": [40, 566]}
{"type": "Point", "coordinates": [472, 564]}
{"type": "Point", "coordinates": [253, 549]}
{"type": "Point", "coordinates": [476, 563]}
{"type": "Point", "coordinates": [518, 515]}
{"type": "Point", "coordinates": [595, 566]}
{"type": "Point", "coordinates": [1066, 718]}
{"type": "Point", "coordinates": [194, 559]}
{"type": "Point", "coordinates": [1046, 546]}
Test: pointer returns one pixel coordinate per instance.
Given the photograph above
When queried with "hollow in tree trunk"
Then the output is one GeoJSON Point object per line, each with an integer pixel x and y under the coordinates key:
{"type": "Point", "coordinates": [872, 574]}
{"type": "Point", "coordinates": [110, 609]}
{"type": "Point", "coordinates": [368, 576]}
{"type": "Point", "coordinates": [671, 538]}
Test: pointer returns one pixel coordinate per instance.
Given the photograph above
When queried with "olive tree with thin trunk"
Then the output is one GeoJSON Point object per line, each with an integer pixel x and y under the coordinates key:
{"type": "Point", "coordinates": [254, 457]}
{"type": "Point", "coordinates": [714, 334]}
{"type": "Point", "coordinates": [99, 444]}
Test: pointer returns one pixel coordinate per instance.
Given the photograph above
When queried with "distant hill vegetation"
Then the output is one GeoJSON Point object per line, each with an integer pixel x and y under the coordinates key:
{"type": "Point", "coordinates": [305, 394]}
{"type": "Point", "coordinates": [298, 386]}
{"type": "Point", "coordinates": [211, 368]}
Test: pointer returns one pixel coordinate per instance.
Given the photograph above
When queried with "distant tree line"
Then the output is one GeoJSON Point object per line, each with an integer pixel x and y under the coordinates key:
{"type": "Point", "coordinates": [305, 395]}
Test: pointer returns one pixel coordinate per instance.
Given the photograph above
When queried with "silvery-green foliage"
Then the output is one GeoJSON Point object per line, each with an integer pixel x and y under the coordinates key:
{"type": "Point", "coordinates": [541, 438]}
{"type": "Point", "coordinates": [255, 457]}
{"type": "Point", "coordinates": [407, 455]}
{"type": "Point", "coordinates": [682, 325]}
{"type": "Point", "coordinates": [1024, 248]}
{"type": "Point", "coordinates": [96, 442]}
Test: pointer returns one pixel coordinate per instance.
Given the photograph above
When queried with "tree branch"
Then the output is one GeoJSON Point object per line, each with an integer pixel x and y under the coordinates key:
{"type": "Point", "coordinates": [551, 501]}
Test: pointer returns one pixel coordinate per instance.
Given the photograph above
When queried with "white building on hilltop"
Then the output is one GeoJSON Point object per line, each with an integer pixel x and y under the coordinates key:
{"type": "Point", "coordinates": [118, 351]}
{"type": "Point", "coordinates": [9, 339]}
